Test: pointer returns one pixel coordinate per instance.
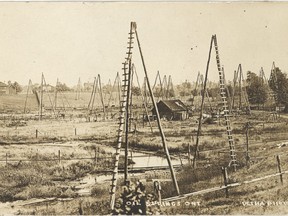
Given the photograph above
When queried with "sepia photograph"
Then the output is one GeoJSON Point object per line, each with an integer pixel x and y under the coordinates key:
{"type": "Point", "coordinates": [143, 108]}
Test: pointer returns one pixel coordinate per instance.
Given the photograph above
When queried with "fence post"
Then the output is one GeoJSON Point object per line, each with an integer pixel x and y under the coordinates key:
{"type": "Point", "coordinates": [225, 175]}
{"type": "Point", "coordinates": [59, 156]}
{"type": "Point", "coordinates": [189, 152]}
{"type": "Point", "coordinates": [180, 159]}
{"type": "Point", "coordinates": [75, 131]}
{"type": "Point", "coordinates": [131, 153]}
{"type": "Point", "coordinates": [95, 155]}
{"type": "Point", "coordinates": [279, 168]}
{"type": "Point", "coordinates": [80, 208]}
{"type": "Point", "coordinates": [247, 127]}
{"type": "Point", "coordinates": [135, 129]}
{"type": "Point", "coordinates": [36, 133]}
{"type": "Point", "coordinates": [6, 159]}
{"type": "Point", "coordinates": [157, 189]}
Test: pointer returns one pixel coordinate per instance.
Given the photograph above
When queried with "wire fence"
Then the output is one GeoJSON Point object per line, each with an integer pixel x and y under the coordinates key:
{"type": "Point", "coordinates": [228, 185]}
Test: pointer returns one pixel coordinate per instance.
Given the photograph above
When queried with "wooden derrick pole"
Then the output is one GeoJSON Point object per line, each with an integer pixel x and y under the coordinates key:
{"type": "Point", "coordinates": [92, 93]}
{"type": "Point", "coordinates": [118, 89]}
{"type": "Point", "coordinates": [202, 105]}
{"type": "Point", "coordinates": [52, 105]}
{"type": "Point", "coordinates": [127, 121]}
{"type": "Point", "coordinates": [240, 86]}
{"type": "Point", "coordinates": [55, 95]}
{"type": "Point", "coordinates": [41, 98]}
{"type": "Point", "coordinates": [234, 88]}
{"type": "Point", "coordinates": [158, 118]}
{"type": "Point", "coordinates": [164, 94]}
{"type": "Point", "coordinates": [78, 90]}
{"type": "Point", "coordinates": [29, 86]}
{"type": "Point", "coordinates": [101, 96]}
{"type": "Point", "coordinates": [196, 88]}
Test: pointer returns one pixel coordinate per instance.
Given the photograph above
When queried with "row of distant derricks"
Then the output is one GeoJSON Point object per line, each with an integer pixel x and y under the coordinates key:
{"type": "Point", "coordinates": [105, 102]}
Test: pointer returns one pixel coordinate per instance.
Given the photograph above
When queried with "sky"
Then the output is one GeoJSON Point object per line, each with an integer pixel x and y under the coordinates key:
{"type": "Point", "coordinates": [68, 40]}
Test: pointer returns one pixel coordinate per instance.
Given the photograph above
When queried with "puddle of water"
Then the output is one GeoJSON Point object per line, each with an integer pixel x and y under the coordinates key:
{"type": "Point", "coordinates": [145, 160]}
{"type": "Point", "coordinates": [141, 160]}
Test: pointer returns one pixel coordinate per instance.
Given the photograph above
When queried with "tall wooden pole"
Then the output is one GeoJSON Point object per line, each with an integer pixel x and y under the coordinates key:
{"type": "Point", "coordinates": [29, 86]}
{"type": "Point", "coordinates": [101, 96]}
{"type": "Point", "coordinates": [158, 117]}
{"type": "Point", "coordinates": [127, 121]}
{"type": "Point", "coordinates": [145, 91]}
{"type": "Point", "coordinates": [92, 93]}
{"type": "Point", "coordinates": [78, 89]}
{"type": "Point", "coordinates": [240, 87]}
{"type": "Point", "coordinates": [131, 97]}
{"type": "Point", "coordinates": [202, 105]}
{"type": "Point", "coordinates": [55, 96]}
{"type": "Point", "coordinates": [41, 98]}
{"type": "Point", "coordinates": [234, 88]}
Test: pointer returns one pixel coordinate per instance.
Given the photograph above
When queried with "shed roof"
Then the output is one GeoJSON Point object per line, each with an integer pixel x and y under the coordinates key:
{"type": "Point", "coordinates": [174, 105]}
{"type": "Point", "coordinates": [3, 84]}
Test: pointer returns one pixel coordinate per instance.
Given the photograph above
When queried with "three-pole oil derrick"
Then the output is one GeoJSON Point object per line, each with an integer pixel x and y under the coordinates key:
{"type": "Point", "coordinates": [40, 105]}
{"type": "Point", "coordinates": [30, 91]}
{"type": "Point", "coordinates": [223, 94]}
{"type": "Point", "coordinates": [199, 91]}
{"type": "Point", "coordinates": [168, 88]}
{"type": "Point", "coordinates": [115, 93]}
{"type": "Point", "coordinates": [239, 84]}
{"type": "Point", "coordinates": [195, 90]}
{"type": "Point", "coordinates": [93, 102]}
{"type": "Point", "coordinates": [61, 103]}
{"type": "Point", "coordinates": [78, 90]}
{"type": "Point", "coordinates": [123, 130]}
{"type": "Point", "coordinates": [43, 88]}
{"type": "Point", "coordinates": [158, 88]}
{"type": "Point", "coordinates": [229, 99]}
{"type": "Point", "coordinates": [164, 87]}
{"type": "Point", "coordinates": [263, 76]}
{"type": "Point", "coordinates": [264, 80]}
{"type": "Point", "coordinates": [274, 80]}
{"type": "Point", "coordinates": [170, 93]}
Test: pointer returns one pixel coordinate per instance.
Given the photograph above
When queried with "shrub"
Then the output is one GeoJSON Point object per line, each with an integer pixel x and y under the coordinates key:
{"type": "Point", "coordinates": [99, 191]}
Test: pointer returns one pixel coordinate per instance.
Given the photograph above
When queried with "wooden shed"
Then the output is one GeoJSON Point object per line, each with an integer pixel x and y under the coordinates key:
{"type": "Point", "coordinates": [172, 110]}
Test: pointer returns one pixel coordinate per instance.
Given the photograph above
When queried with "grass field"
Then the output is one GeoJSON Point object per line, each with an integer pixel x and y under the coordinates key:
{"type": "Point", "coordinates": [75, 137]}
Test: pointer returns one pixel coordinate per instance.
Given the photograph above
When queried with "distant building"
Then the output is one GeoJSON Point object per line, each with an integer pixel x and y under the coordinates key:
{"type": "Point", "coordinates": [88, 86]}
{"type": "Point", "coordinates": [172, 110]}
{"type": "Point", "coordinates": [7, 89]}
{"type": "Point", "coordinates": [46, 88]}
{"type": "Point", "coordinates": [3, 88]}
